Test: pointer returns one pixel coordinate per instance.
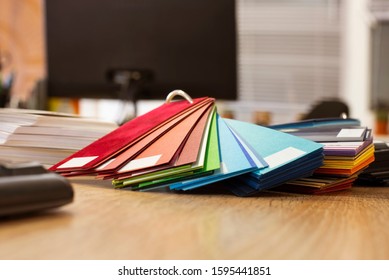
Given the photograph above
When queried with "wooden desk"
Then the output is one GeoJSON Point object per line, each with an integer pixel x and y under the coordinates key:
{"type": "Point", "coordinates": [103, 223]}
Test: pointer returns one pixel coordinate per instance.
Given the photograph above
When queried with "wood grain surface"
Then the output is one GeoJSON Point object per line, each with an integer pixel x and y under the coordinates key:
{"type": "Point", "coordinates": [103, 223]}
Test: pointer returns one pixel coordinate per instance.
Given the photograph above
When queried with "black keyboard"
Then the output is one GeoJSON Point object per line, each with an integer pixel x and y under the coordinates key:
{"type": "Point", "coordinates": [29, 187]}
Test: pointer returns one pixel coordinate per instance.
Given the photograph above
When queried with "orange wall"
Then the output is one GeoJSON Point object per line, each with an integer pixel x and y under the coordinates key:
{"type": "Point", "coordinates": [22, 42]}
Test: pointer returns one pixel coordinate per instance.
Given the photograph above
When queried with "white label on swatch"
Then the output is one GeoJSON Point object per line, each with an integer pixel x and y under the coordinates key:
{"type": "Point", "coordinates": [141, 163]}
{"type": "Point", "coordinates": [77, 162]}
{"type": "Point", "coordinates": [351, 132]}
{"type": "Point", "coordinates": [283, 156]}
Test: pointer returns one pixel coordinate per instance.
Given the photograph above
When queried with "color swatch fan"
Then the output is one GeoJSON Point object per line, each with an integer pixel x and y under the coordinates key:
{"type": "Point", "coordinates": [183, 145]}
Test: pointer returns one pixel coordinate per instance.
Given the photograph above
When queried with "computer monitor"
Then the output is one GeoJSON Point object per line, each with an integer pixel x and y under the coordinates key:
{"type": "Point", "coordinates": [94, 47]}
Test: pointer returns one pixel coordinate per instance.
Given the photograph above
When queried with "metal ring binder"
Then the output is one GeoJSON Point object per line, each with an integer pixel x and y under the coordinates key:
{"type": "Point", "coordinates": [179, 92]}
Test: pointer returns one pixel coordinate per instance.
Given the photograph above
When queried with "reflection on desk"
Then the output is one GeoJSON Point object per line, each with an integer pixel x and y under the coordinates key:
{"type": "Point", "coordinates": [104, 223]}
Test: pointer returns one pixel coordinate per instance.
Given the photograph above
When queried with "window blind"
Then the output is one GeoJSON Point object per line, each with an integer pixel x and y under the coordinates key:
{"type": "Point", "coordinates": [288, 51]}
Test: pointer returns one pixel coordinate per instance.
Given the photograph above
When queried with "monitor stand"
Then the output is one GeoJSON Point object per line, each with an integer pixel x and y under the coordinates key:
{"type": "Point", "coordinates": [131, 82]}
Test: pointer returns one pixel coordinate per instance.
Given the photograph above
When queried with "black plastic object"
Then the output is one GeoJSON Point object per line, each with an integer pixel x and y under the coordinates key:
{"type": "Point", "coordinates": [26, 188]}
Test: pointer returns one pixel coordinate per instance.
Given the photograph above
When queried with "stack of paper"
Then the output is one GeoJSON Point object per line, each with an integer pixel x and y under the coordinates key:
{"type": "Point", "coordinates": [347, 151]}
{"type": "Point", "coordinates": [46, 137]}
{"type": "Point", "coordinates": [184, 145]}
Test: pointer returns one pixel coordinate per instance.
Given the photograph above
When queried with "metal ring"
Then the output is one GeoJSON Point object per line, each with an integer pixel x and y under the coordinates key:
{"type": "Point", "coordinates": [179, 92]}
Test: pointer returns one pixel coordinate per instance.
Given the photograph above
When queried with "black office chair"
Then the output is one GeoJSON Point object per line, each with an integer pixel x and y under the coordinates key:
{"type": "Point", "coordinates": [5, 91]}
{"type": "Point", "coordinates": [328, 109]}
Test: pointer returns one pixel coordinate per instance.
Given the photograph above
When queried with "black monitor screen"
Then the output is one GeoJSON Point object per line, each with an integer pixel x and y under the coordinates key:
{"type": "Point", "coordinates": [173, 44]}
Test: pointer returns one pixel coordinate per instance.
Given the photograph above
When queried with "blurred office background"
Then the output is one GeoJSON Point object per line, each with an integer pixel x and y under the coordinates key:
{"type": "Point", "coordinates": [291, 55]}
